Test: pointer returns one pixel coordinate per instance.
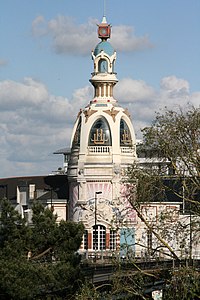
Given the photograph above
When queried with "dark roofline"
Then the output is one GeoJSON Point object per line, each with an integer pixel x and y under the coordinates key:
{"type": "Point", "coordinates": [63, 151]}
{"type": "Point", "coordinates": [8, 186]}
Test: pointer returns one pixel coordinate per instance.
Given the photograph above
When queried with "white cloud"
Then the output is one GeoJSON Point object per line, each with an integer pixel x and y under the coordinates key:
{"type": "Point", "coordinates": [143, 100]}
{"type": "Point", "coordinates": [175, 93]}
{"type": "Point", "coordinates": [34, 123]}
{"type": "Point", "coordinates": [39, 26]}
{"type": "Point", "coordinates": [174, 87]}
{"type": "Point", "coordinates": [82, 97]}
{"type": "Point", "coordinates": [195, 99]}
{"type": "Point", "coordinates": [130, 90]}
{"type": "Point", "coordinates": [125, 40]}
{"type": "Point", "coordinates": [20, 94]}
{"type": "Point", "coordinates": [68, 37]}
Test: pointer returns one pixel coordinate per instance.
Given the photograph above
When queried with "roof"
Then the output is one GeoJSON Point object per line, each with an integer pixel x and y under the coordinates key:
{"type": "Point", "coordinates": [63, 151]}
{"type": "Point", "coordinates": [57, 183]}
{"type": "Point", "coordinates": [104, 46]}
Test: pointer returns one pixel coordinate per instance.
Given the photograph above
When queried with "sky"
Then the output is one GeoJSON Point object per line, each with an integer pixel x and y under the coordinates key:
{"type": "Point", "coordinates": [45, 67]}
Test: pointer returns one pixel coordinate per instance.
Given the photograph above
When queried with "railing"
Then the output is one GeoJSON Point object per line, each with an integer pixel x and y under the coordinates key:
{"type": "Point", "coordinates": [107, 149]}
{"type": "Point", "coordinates": [127, 149]}
{"type": "Point", "coordinates": [99, 149]}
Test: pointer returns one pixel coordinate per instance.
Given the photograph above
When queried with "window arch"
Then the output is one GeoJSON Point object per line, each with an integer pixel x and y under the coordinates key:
{"type": "Point", "coordinates": [103, 66]}
{"type": "Point", "coordinates": [99, 237]}
{"type": "Point", "coordinates": [100, 133]}
{"type": "Point", "coordinates": [125, 134]}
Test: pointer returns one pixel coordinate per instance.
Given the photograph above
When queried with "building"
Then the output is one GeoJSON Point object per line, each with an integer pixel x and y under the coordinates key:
{"type": "Point", "coordinates": [90, 187]}
{"type": "Point", "coordinates": [102, 147]}
{"type": "Point", "coordinates": [52, 191]}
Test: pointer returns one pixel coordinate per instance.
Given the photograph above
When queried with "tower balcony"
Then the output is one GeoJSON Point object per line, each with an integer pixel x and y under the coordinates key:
{"type": "Point", "coordinates": [99, 149]}
{"type": "Point", "coordinates": [108, 150]}
{"type": "Point", "coordinates": [125, 150]}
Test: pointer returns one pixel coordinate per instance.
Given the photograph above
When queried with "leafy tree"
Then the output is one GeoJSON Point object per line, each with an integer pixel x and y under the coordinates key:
{"type": "Point", "coordinates": [171, 172]}
{"type": "Point", "coordinates": [13, 231]}
{"type": "Point", "coordinates": [171, 146]}
{"type": "Point", "coordinates": [184, 284]}
{"type": "Point", "coordinates": [174, 138]}
{"type": "Point", "coordinates": [38, 261]}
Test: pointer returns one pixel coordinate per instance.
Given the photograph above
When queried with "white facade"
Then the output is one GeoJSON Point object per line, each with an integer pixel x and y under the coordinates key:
{"type": "Point", "coordinates": [102, 146]}
{"type": "Point", "coordinates": [171, 218]}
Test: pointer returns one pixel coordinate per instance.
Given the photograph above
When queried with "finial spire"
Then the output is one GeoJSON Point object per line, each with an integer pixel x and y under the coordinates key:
{"type": "Point", "coordinates": [104, 21]}
{"type": "Point", "coordinates": [104, 8]}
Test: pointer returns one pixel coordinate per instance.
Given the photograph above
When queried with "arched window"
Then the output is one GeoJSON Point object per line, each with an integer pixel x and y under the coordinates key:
{"type": "Point", "coordinates": [125, 134]}
{"type": "Point", "coordinates": [99, 237]}
{"type": "Point", "coordinates": [100, 134]}
{"type": "Point", "coordinates": [76, 140]}
{"type": "Point", "coordinates": [103, 66]}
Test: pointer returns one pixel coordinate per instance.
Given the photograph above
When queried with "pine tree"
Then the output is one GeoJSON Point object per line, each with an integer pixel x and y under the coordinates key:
{"type": "Point", "coordinates": [38, 261]}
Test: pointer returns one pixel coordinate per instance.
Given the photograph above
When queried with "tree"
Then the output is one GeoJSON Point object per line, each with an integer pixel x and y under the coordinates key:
{"type": "Point", "coordinates": [175, 138]}
{"type": "Point", "coordinates": [13, 231]}
{"type": "Point", "coordinates": [169, 173]}
{"type": "Point", "coordinates": [38, 261]}
{"type": "Point", "coordinates": [184, 284]}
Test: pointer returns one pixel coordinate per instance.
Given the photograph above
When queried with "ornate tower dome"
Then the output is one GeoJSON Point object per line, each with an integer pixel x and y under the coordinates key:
{"type": "Point", "coordinates": [104, 46]}
{"type": "Point", "coordinates": [102, 147]}
{"type": "Point", "coordinates": [104, 56]}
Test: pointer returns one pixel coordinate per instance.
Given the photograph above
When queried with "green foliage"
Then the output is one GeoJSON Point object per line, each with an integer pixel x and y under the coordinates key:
{"type": "Point", "coordinates": [52, 269]}
{"type": "Point", "coordinates": [174, 136]}
{"type": "Point", "coordinates": [13, 232]}
{"type": "Point", "coordinates": [184, 284]}
{"type": "Point", "coordinates": [171, 146]}
{"type": "Point", "coordinates": [125, 285]}
{"type": "Point", "coordinates": [145, 185]}
{"type": "Point", "coordinates": [88, 292]}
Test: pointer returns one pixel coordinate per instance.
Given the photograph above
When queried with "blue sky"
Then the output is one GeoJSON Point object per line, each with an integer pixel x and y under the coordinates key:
{"type": "Point", "coordinates": [45, 67]}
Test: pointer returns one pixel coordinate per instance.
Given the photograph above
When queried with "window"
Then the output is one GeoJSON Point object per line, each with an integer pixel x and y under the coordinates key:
{"type": "Point", "coordinates": [103, 66]}
{"type": "Point", "coordinates": [99, 237]}
{"type": "Point", "coordinates": [100, 133]}
{"type": "Point", "coordinates": [112, 240]}
{"type": "Point", "coordinates": [125, 135]}
{"type": "Point", "coordinates": [85, 240]}
{"type": "Point", "coordinates": [149, 242]}
{"type": "Point", "coordinates": [31, 191]}
{"type": "Point", "coordinates": [22, 193]}
{"type": "Point", "coordinates": [127, 242]}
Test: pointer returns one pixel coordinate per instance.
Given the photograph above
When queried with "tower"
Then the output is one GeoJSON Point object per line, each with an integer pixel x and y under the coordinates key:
{"type": "Point", "coordinates": [102, 147]}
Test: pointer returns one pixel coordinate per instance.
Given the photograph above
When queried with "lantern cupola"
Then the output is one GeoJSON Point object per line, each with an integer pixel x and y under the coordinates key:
{"type": "Point", "coordinates": [104, 56]}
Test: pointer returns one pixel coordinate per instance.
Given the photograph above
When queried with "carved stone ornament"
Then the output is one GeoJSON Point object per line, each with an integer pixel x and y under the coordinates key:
{"type": "Point", "coordinates": [104, 210]}
{"type": "Point", "coordinates": [88, 113]}
{"type": "Point", "coordinates": [112, 113]}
